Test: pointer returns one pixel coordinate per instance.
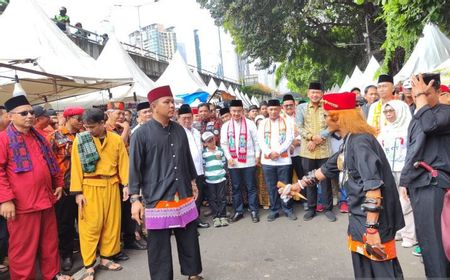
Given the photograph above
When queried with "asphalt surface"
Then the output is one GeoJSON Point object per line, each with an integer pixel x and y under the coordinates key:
{"type": "Point", "coordinates": [280, 250]}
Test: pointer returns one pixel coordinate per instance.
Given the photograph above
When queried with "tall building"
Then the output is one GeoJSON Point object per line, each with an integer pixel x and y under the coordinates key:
{"type": "Point", "coordinates": [155, 39]}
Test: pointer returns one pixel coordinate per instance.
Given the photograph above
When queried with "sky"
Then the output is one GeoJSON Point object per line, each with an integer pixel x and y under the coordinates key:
{"type": "Point", "coordinates": [121, 17]}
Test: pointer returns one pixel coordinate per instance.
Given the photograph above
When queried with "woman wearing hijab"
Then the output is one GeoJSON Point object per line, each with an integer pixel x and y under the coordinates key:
{"type": "Point", "coordinates": [393, 140]}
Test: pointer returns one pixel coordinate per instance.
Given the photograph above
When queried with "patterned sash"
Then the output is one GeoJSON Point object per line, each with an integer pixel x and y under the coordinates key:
{"type": "Point", "coordinates": [242, 145]}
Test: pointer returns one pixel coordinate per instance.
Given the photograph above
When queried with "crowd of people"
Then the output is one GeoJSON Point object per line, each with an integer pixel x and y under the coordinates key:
{"type": "Point", "coordinates": [100, 181]}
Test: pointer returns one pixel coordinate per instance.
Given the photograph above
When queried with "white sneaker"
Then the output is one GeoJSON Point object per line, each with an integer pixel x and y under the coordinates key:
{"type": "Point", "coordinates": [408, 244]}
{"type": "Point", "coordinates": [398, 237]}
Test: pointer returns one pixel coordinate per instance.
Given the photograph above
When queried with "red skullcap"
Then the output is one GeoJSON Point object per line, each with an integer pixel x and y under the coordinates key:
{"type": "Point", "coordinates": [339, 101]}
{"type": "Point", "coordinates": [444, 88]}
{"type": "Point", "coordinates": [159, 92]}
{"type": "Point", "coordinates": [73, 111]}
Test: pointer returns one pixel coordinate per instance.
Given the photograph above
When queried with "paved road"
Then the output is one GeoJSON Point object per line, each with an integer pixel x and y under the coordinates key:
{"type": "Point", "coordinates": [280, 250]}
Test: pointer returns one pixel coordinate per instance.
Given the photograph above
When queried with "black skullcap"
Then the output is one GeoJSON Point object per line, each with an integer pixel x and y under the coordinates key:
{"type": "Point", "coordinates": [142, 106]}
{"type": "Point", "coordinates": [315, 85]}
{"type": "Point", "coordinates": [224, 111]}
{"type": "Point", "coordinates": [236, 103]}
{"type": "Point", "coordinates": [185, 109]}
{"type": "Point", "coordinates": [288, 97]}
{"type": "Point", "coordinates": [385, 78]}
{"type": "Point", "coordinates": [39, 111]}
{"type": "Point", "coordinates": [427, 77]}
{"type": "Point", "coordinates": [15, 102]}
{"type": "Point", "coordinates": [2, 107]}
{"type": "Point", "coordinates": [273, 102]}
{"type": "Point", "coordinates": [253, 107]}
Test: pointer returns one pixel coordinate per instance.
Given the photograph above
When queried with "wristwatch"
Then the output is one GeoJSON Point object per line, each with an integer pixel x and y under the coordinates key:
{"type": "Point", "coordinates": [133, 199]}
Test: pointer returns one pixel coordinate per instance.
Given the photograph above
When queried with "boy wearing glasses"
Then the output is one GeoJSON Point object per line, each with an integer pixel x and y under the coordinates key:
{"type": "Point", "coordinates": [66, 209]}
{"type": "Point", "coordinates": [30, 183]}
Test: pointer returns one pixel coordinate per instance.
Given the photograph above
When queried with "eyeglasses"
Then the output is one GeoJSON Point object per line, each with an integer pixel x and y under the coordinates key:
{"type": "Point", "coordinates": [24, 113]}
{"type": "Point", "coordinates": [388, 111]}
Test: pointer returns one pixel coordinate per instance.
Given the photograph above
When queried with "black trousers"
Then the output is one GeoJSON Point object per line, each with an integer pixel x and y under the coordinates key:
{"type": "Point", "coordinates": [217, 198]}
{"type": "Point", "coordinates": [201, 185]}
{"type": "Point", "coordinates": [325, 186]}
{"type": "Point", "coordinates": [128, 225]}
{"type": "Point", "coordinates": [427, 203]}
{"type": "Point", "coordinates": [298, 168]}
{"type": "Point", "coordinates": [3, 239]}
{"type": "Point", "coordinates": [66, 211]}
{"type": "Point", "coordinates": [160, 252]}
{"type": "Point", "coordinates": [365, 268]}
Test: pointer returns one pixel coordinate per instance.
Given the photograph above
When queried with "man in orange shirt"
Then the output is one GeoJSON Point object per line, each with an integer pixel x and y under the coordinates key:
{"type": "Point", "coordinates": [61, 141]}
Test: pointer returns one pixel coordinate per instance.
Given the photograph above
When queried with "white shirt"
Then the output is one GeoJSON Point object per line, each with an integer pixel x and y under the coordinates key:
{"type": "Point", "coordinates": [275, 145]}
{"type": "Point", "coordinates": [291, 120]}
{"type": "Point", "coordinates": [252, 142]}
{"type": "Point", "coordinates": [196, 147]}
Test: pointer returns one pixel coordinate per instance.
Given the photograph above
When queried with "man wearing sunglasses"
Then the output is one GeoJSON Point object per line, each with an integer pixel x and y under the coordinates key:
{"type": "Point", "coordinates": [30, 184]}
{"type": "Point", "coordinates": [61, 141]}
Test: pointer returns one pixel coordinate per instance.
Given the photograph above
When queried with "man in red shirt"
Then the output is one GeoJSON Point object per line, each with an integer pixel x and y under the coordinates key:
{"type": "Point", "coordinates": [30, 183]}
{"type": "Point", "coordinates": [61, 141]}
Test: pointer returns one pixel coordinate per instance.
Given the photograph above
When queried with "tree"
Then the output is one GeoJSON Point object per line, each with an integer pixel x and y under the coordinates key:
{"type": "Point", "coordinates": [405, 20]}
{"type": "Point", "coordinates": [313, 40]}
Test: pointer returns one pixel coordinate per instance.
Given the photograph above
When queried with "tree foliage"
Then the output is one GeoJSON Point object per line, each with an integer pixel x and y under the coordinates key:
{"type": "Point", "coordinates": [405, 20]}
{"type": "Point", "coordinates": [313, 39]}
{"type": "Point", "coordinates": [257, 90]}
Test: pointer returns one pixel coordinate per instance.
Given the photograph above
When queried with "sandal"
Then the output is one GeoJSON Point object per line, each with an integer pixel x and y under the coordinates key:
{"type": "Point", "coordinates": [61, 276]}
{"type": "Point", "coordinates": [87, 275]}
{"type": "Point", "coordinates": [108, 265]}
{"type": "Point", "coordinates": [196, 277]}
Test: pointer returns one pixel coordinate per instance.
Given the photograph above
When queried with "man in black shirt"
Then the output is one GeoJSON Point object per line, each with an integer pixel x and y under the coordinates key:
{"type": "Point", "coordinates": [428, 140]}
{"type": "Point", "coordinates": [161, 166]}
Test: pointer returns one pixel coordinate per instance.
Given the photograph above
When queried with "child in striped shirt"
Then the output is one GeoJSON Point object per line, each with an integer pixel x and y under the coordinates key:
{"type": "Point", "coordinates": [215, 176]}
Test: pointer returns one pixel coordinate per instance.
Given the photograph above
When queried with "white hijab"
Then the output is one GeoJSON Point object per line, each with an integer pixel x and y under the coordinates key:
{"type": "Point", "coordinates": [403, 118]}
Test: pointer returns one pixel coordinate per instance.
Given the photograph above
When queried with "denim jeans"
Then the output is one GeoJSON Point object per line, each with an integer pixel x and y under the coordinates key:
{"type": "Point", "coordinates": [273, 174]}
{"type": "Point", "coordinates": [247, 176]}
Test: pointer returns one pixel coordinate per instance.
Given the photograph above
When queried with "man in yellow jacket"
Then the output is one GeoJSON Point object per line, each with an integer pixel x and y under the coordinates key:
{"type": "Point", "coordinates": [99, 165]}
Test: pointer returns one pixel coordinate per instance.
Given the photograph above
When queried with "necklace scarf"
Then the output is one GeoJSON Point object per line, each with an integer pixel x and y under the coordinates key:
{"type": "Point", "coordinates": [241, 154]}
{"type": "Point", "coordinates": [21, 156]}
{"type": "Point", "coordinates": [268, 132]}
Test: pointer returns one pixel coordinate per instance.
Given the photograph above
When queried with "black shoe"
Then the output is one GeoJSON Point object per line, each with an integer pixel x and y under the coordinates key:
{"type": "Point", "coordinates": [237, 217]}
{"type": "Point", "coordinates": [67, 264]}
{"type": "Point", "coordinates": [121, 257]}
{"type": "Point", "coordinates": [272, 216]}
{"type": "Point", "coordinates": [309, 215]}
{"type": "Point", "coordinates": [135, 246]}
{"type": "Point", "coordinates": [202, 225]}
{"type": "Point", "coordinates": [330, 216]}
{"type": "Point", "coordinates": [255, 217]}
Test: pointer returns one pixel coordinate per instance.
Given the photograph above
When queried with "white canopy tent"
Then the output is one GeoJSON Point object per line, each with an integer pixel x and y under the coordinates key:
{"type": "Point", "coordinates": [222, 87]}
{"type": "Point", "coordinates": [432, 49]}
{"type": "Point", "coordinates": [230, 90]}
{"type": "Point", "coordinates": [240, 96]}
{"type": "Point", "coordinates": [345, 81]}
{"type": "Point", "coordinates": [356, 80]}
{"type": "Point", "coordinates": [369, 73]}
{"type": "Point", "coordinates": [255, 101]}
{"type": "Point", "coordinates": [212, 86]}
{"type": "Point", "coordinates": [444, 69]}
{"type": "Point", "coordinates": [199, 78]}
{"type": "Point", "coordinates": [114, 57]}
{"type": "Point", "coordinates": [180, 78]}
{"type": "Point", "coordinates": [49, 65]}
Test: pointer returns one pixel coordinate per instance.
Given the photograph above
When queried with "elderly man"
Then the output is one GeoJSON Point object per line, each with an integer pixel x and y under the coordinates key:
{"type": "Point", "coordinates": [426, 173]}
{"type": "Point", "coordinates": [116, 120]}
{"type": "Point", "coordinates": [315, 149]}
{"type": "Point", "coordinates": [66, 209]}
{"type": "Point", "coordinates": [99, 163]}
{"type": "Point", "coordinates": [186, 119]}
{"type": "Point", "coordinates": [386, 90]}
{"type": "Point", "coordinates": [30, 183]}
{"type": "Point", "coordinates": [144, 114]}
{"type": "Point", "coordinates": [162, 169]}
{"type": "Point", "coordinates": [239, 142]}
{"type": "Point", "coordinates": [275, 136]}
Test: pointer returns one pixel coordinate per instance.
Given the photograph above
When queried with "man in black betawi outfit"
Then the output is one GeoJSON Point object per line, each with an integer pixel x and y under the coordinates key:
{"type": "Point", "coordinates": [427, 171]}
{"type": "Point", "coordinates": [375, 210]}
{"type": "Point", "coordinates": [161, 167]}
